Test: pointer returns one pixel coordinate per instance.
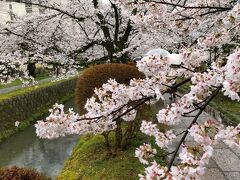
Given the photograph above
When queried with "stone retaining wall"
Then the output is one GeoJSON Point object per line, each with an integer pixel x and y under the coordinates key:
{"type": "Point", "coordinates": [22, 107]}
{"type": "Point", "coordinates": [219, 116]}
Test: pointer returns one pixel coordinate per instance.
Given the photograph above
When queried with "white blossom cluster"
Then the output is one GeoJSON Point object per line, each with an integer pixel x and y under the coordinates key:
{"type": "Point", "coordinates": [144, 152]}
{"type": "Point", "coordinates": [231, 83]}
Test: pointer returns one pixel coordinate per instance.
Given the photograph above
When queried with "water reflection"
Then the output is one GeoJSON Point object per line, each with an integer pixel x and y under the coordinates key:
{"type": "Point", "coordinates": [25, 149]}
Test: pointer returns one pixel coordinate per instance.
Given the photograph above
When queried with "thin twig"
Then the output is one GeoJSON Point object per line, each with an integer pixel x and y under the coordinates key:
{"type": "Point", "coordinates": [193, 122]}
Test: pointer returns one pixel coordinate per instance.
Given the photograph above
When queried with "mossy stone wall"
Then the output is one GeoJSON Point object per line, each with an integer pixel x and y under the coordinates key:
{"type": "Point", "coordinates": [25, 106]}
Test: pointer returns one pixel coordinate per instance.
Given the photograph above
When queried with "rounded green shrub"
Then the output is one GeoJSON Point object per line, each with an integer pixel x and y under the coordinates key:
{"type": "Point", "coordinates": [96, 76]}
{"type": "Point", "coordinates": [16, 173]}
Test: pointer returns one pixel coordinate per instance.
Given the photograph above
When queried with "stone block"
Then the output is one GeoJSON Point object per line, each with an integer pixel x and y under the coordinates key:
{"type": "Point", "coordinates": [226, 160]}
{"type": "Point", "coordinates": [214, 174]}
{"type": "Point", "coordinates": [233, 175]}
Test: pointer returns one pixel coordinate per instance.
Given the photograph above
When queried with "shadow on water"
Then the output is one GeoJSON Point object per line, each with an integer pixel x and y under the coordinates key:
{"type": "Point", "coordinates": [25, 149]}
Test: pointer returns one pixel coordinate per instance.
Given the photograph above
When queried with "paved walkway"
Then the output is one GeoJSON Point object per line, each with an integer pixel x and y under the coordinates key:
{"type": "Point", "coordinates": [14, 88]}
{"type": "Point", "coordinates": [225, 162]}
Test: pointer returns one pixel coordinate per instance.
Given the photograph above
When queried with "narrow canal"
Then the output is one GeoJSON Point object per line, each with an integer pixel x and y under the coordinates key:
{"type": "Point", "coordinates": [25, 149]}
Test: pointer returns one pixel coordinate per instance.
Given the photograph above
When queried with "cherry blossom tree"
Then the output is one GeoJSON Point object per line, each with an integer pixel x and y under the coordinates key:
{"type": "Point", "coordinates": [66, 36]}
{"type": "Point", "coordinates": [198, 31]}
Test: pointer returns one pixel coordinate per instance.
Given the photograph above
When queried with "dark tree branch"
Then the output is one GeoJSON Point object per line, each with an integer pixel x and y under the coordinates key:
{"type": "Point", "coordinates": [140, 102]}
{"type": "Point", "coordinates": [55, 9]}
{"type": "Point", "coordinates": [117, 24]}
{"type": "Point", "coordinates": [192, 123]}
{"type": "Point", "coordinates": [190, 7]}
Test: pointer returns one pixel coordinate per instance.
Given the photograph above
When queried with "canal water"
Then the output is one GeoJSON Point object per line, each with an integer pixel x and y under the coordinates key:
{"type": "Point", "coordinates": [25, 149]}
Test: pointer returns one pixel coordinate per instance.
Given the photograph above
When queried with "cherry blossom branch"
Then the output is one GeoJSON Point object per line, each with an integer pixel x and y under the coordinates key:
{"type": "Point", "coordinates": [55, 9]}
{"type": "Point", "coordinates": [193, 122]}
{"type": "Point", "coordinates": [140, 102]}
{"type": "Point", "coordinates": [180, 133]}
{"type": "Point", "coordinates": [149, 98]}
{"type": "Point", "coordinates": [164, 155]}
{"type": "Point", "coordinates": [190, 7]}
{"type": "Point", "coordinates": [187, 68]}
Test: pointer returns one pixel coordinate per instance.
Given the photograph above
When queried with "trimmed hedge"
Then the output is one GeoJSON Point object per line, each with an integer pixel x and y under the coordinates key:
{"type": "Point", "coordinates": [28, 105]}
{"type": "Point", "coordinates": [96, 76]}
{"type": "Point", "coordinates": [16, 173]}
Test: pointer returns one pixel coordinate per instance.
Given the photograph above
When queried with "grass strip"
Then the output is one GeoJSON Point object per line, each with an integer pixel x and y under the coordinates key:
{"type": "Point", "coordinates": [89, 160]}
{"type": "Point", "coordinates": [29, 89]}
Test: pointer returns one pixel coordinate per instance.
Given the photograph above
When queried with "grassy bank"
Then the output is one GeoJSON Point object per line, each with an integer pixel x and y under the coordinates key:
{"type": "Point", "coordinates": [29, 89]}
{"type": "Point", "coordinates": [89, 160]}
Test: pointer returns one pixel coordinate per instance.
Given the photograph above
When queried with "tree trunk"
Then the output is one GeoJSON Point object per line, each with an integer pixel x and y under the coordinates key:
{"type": "Point", "coordinates": [31, 67]}
{"type": "Point", "coordinates": [118, 137]}
{"type": "Point", "coordinates": [128, 135]}
{"type": "Point", "coordinates": [105, 135]}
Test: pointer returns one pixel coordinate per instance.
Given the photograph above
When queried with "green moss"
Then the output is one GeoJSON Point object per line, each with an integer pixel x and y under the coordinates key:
{"type": "Point", "coordinates": [29, 89]}
{"type": "Point", "coordinates": [41, 114]}
{"type": "Point", "coordinates": [14, 83]}
{"type": "Point", "coordinates": [230, 109]}
{"type": "Point", "coordinates": [4, 135]}
{"type": "Point", "coordinates": [89, 160]}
